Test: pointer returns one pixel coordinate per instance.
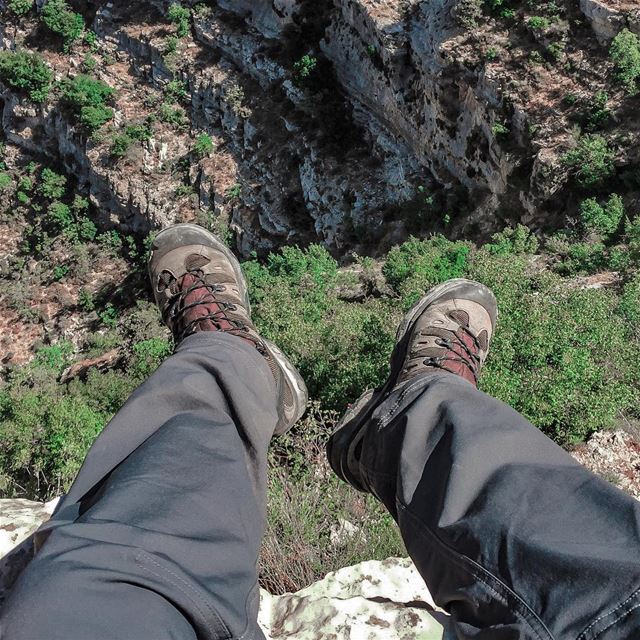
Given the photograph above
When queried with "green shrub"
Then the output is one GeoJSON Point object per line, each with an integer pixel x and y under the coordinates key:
{"type": "Point", "coordinates": [87, 98]}
{"type": "Point", "coordinates": [625, 53]}
{"type": "Point", "coordinates": [604, 220]}
{"type": "Point", "coordinates": [181, 17]}
{"type": "Point", "coordinates": [59, 17]}
{"type": "Point", "coordinates": [5, 180]}
{"type": "Point", "coordinates": [417, 265]}
{"type": "Point", "coordinates": [538, 23]}
{"type": "Point", "coordinates": [61, 218]}
{"type": "Point", "coordinates": [516, 241]}
{"type": "Point", "coordinates": [120, 145]}
{"type": "Point", "coordinates": [26, 72]}
{"type": "Point", "coordinates": [52, 185]}
{"type": "Point", "coordinates": [175, 116]}
{"type": "Point", "coordinates": [561, 356]}
{"type": "Point", "coordinates": [304, 67]}
{"type": "Point", "coordinates": [340, 348]}
{"type": "Point", "coordinates": [598, 115]}
{"type": "Point", "coordinates": [499, 130]}
{"type": "Point", "coordinates": [20, 7]}
{"type": "Point", "coordinates": [592, 161]}
{"type": "Point", "coordinates": [203, 146]}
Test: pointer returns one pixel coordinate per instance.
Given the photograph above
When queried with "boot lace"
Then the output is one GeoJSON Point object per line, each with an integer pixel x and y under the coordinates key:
{"type": "Point", "coordinates": [460, 347]}
{"type": "Point", "coordinates": [176, 310]}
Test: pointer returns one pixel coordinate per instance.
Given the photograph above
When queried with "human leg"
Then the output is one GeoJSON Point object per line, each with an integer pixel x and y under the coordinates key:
{"type": "Point", "coordinates": [513, 537]}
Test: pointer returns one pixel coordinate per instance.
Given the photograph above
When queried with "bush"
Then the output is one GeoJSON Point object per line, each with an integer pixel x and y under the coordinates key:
{"type": "Point", "coordinates": [175, 116]}
{"type": "Point", "coordinates": [26, 72]}
{"type": "Point", "coordinates": [625, 52]}
{"type": "Point", "coordinates": [87, 98]}
{"type": "Point", "coordinates": [59, 17]}
{"type": "Point", "coordinates": [203, 146]}
{"type": "Point", "coordinates": [52, 185]}
{"type": "Point", "coordinates": [181, 17]}
{"type": "Point", "coordinates": [120, 145]}
{"type": "Point", "coordinates": [562, 357]}
{"type": "Point", "coordinates": [5, 180]}
{"type": "Point", "coordinates": [304, 67]}
{"type": "Point", "coordinates": [604, 220]}
{"type": "Point", "coordinates": [20, 7]}
{"type": "Point", "coordinates": [592, 161]}
{"type": "Point", "coordinates": [340, 348]}
{"type": "Point", "coordinates": [417, 265]}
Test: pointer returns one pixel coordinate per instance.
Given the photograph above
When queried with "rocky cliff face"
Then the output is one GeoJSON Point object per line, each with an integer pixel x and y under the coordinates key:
{"type": "Point", "coordinates": [405, 117]}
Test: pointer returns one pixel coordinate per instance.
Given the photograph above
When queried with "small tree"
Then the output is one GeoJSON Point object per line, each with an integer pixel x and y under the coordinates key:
{"type": "Point", "coordinates": [87, 98]}
{"type": "Point", "coordinates": [181, 17]}
{"type": "Point", "coordinates": [592, 161]}
{"type": "Point", "coordinates": [204, 145]}
{"type": "Point", "coordinates": [59, 17]}
{"type": "Point", "coordinates": [26, 72]}
{"type": "Point", "coordinates": [625, 52]}
{"type": "Point", "coordinates": [602, 219]}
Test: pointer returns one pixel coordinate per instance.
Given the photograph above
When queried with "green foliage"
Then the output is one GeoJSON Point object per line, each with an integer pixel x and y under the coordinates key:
{"type": "Point", "coordinates": [417, 265]}
{"type": "Point", "coordinates": [52, 185]}
{"type": "Point", "coordinates": [603, 219]}
{"type": "Point", "coordinates": [175, 116]}
{"type": "Point", "coordinates": [339, 348]}
{"type": "Point", "coordinates": [120, 145]}
{"type": "Point", "coordinates": [598, 115]}
{"type": "Point", "coordinates": [26, 72]}
{"type": "Point", "coordinates": [109, 316]}
{"type": "Point", "coordinates": [592, 161]}
{"type": "Point", "coordinates": [61, 217]}
{"type": "Point", "coordinates": [5, 180]}
{"type": "Point", "coordinates": [20, 7]}
{"type": "Point", "coordinates": [203, 146]}
{"type": "Point", "coordinates": [304, 67]}
{"type": "Point", "coordinates": [87, 98]}
{"type": "Point", "coordinates": [516, 241]}
{"type": "Point", "coordinates": [148, 356]}
{"type": "Point", "coordinates": [553, 356]}
{"type": "Point", "coordinates": [181, 17]}
{"type": "Point", "coordinates": [59, 17]}
{"type": "Point", "coordinates": [625, 53]}
{"type": "Point", "coordinates": [538, 23]}
{"type": "Point", "coordinates": [499, 130]}
{"type": "Point", "coordinates": [233, 192]}
{"type": "Point", "coordinates": [175, 91]}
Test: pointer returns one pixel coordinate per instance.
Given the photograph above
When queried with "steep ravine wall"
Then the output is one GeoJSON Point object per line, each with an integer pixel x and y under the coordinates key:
{"type": "Point", "coordinates": [403, 103]}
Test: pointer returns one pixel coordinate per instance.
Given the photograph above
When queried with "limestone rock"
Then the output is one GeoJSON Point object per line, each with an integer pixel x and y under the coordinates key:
{"type": "Point", "coordinates": [373, 600]}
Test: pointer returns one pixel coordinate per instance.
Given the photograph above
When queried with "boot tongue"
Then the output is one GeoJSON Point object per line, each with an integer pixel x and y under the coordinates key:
{"type": "Point", "coordinates": [204, 305]}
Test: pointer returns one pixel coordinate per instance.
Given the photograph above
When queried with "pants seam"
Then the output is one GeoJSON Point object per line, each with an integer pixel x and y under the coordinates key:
{"type": "Point", "coordinates": [613, 622]}
{"type": "Point", "coordinates": [508, 596]}
{"type": "Point", "coordinates": [184, 588]}
{"type": "Point", "coordinates": [583, 633]}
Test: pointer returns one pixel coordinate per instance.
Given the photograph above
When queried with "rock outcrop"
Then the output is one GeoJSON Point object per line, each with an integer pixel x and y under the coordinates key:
{"type": "Point", "coordinates": [406, 119]}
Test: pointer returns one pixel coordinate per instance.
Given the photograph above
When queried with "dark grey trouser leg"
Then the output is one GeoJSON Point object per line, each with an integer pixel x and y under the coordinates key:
{"type": "Point", "coordinates": [159, 535]}
{"type": "Point", "coordinates": [513, 537]}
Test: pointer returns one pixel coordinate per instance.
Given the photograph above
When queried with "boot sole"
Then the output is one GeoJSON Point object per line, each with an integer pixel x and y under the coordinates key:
{"type": "Point", "coordinates": [341, 447]}
{"type": "Point", "coordinates": [295, 383]}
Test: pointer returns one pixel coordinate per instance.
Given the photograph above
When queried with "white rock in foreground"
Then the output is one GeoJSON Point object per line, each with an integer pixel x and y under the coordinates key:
{"type": "Point", "coordinates": [370, 601]}
{"type": "Point", "coordinates": [375, 600]}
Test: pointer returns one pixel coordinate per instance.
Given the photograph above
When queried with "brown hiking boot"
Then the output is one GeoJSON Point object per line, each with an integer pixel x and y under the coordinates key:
{"type": "Point", "coordinates": [449, 329]}
{"type": "Point", "coordinates": [198, 285]}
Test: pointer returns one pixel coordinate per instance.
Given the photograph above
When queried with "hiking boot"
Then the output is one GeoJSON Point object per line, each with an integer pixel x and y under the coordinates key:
{"type": "Point", "coordinates": [450, 330]}
{"type": "Point", "coordinates": [198, 285]}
